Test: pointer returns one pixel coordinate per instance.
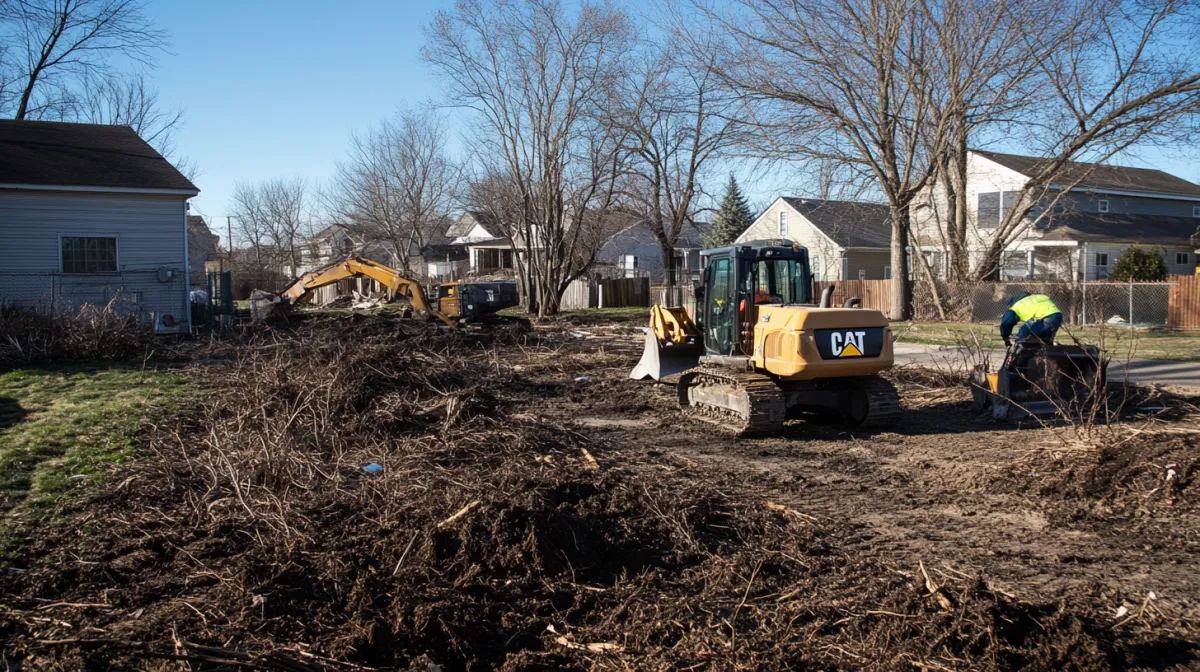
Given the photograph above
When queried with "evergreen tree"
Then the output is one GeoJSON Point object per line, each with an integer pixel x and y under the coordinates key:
{"type": "Point", "coordinates": [1137, 264]}
{"type": "Point", "coordinates": [732, 218]}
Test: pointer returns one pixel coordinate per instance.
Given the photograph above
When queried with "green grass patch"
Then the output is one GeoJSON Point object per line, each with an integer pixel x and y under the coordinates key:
{"type": "Point", "coordinates": [1119, 342]}
{"type": "Point", "coordinates": [63, 427]}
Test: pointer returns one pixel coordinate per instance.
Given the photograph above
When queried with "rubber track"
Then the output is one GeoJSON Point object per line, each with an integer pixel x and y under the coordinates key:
{"type": "Point", "coordinates": [883, 402]}
{"type": "Point", "coordinates": [767, 408]}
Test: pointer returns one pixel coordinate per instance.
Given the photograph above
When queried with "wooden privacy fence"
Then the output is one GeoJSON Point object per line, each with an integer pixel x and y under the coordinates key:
{"type": "Point", "coordinates": [1183, 305]}
{"type": "Point", "coordinates": [874, 293]}
{"type": "Point", "coordinates": [614, 293]}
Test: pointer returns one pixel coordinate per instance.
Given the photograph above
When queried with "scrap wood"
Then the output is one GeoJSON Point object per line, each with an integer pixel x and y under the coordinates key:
{"type": "Point", "coordinates": [592, 463]}
{"type": "Point", "coordinates": [594, 647]}
{"type": "Point", "coordinates": [790, 511]}
{"type": "Point", "coordinates": [461, 512]}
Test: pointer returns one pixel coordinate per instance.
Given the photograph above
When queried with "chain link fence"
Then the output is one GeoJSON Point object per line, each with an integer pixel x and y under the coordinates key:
{"type": "Point", "coordinates": [157, 296]}
{"type": "Point", "coordinates": [1142, 304]}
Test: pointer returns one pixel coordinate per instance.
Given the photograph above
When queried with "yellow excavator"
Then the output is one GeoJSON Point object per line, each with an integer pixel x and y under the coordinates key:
{"type": "Point", "coordinates": [760, 352]}
{"type": "Point", "coordinates": [264, 304]}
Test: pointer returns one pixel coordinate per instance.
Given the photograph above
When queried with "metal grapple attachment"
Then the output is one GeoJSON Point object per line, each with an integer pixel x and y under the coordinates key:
{"type": "Point", "coordinates": [1042, 380]}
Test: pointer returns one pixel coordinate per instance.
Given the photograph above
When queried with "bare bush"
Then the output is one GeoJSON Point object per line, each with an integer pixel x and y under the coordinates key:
{"type": "Point", "coordinates": [94, 333]}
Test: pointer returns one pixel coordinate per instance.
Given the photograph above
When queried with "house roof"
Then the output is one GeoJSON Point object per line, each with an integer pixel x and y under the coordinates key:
{"type": "Point", "coordinates": [1123, 228]}
{"type": "Point", "coordinates": [848, 223]}
{"type": "Point", "coordinates": [58, 154]}
{"type": "Point", "coordinates": [464, 224]}
{"type": "Point", "coordinates": [1101, 176]}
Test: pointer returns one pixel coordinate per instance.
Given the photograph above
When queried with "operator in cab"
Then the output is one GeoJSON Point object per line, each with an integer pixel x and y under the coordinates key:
{"type": "Point", "coordinates": [1037, 315]}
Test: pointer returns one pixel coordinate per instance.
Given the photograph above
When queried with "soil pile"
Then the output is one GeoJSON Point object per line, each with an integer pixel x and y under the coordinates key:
{"type": "Point", "coordinates": [375, 494]}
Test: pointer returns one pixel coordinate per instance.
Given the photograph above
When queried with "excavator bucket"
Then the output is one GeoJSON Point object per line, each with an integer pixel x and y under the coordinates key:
{"type": "Point", "coordinates": [660, 360]}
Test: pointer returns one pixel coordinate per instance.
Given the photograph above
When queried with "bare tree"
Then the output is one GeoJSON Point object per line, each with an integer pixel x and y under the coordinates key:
{"type": "Point", "coordinates": [399, 184]}
{"type": "Point", "coordinates": [60, 44]}
{"type": "Point", "coordinates": [273, 218]}
{"type": "Point", "coordinates": [1116, 83]}
{"type": "Point", "coordinates": [536, 76]}
{"type": "Point", "coordinates": [676, 123]}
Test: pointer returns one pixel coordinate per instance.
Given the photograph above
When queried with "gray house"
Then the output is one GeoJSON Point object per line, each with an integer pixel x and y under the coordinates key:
{"type": "Point", "coordinates": [92, 214]}
{"type": "Point", "coordinates": [1079, 229]}
{"type": "Point", "coordinates": [633, 252]}
{"type": "Point", "coordinates": [846, 240]}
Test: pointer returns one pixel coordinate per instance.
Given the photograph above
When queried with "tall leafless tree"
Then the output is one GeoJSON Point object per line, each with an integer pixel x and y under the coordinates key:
{"type": "Point", "coordinates": [677, 122]}
{"type": "Point", "coordinates": [842, 81]}
{"type": "Point", "coordinates": [273, 218]}
{"type": "Point", "coordinates": [1116, 82]}
{"type": "Point", "coordinates": [536, 73]}
{"type": "Point", "coordinates": [57, 46]}
{"type": "Point", "coordinates": [399, 184]}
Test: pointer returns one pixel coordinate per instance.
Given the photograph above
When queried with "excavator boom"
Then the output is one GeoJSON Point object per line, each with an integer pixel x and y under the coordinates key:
{"type": "Point", "coordinates": [361, 267]}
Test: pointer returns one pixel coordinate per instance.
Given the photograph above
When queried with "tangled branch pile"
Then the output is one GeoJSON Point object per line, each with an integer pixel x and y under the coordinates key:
{"type": "Point", "coordinates": [93, 333]}
{"type": "Point", "coordinates": [490, 538]}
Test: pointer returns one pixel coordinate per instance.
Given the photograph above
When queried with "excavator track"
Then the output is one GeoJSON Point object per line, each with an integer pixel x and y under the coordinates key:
{"type": "Point", "coordinates": [883, 402]}
{"type": "Point", "coordinates": [743, 403]}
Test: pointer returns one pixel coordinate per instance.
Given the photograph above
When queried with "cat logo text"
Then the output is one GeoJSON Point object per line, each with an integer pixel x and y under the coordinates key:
{"type": "Point", "coordinates": [848, 344]}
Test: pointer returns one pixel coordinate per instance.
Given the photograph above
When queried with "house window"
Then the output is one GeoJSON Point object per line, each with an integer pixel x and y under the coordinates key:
{"type": "Point", "coordinates": [887, 272]}
{"type": "Point", "coordinates": [1102, 205]}
{"type": "Point", "coordinates": [1101, 265]}
{"type": "Point", "coordinates": [988, 214]}
{"type": "Point", "coordinates": [1181, 258]}
{"type": "Point", "coordinates": [783, 224]}
{"type": "Point", "coordinates": [1196, 210]}
{"type": "Point", "coordinates": [628, 262]}
{"type": "Point", "coordinates": [816, 267]}
{"type": "Point", "coordinates": [862, 274]}
{"type": "Point", "coordinates": [93, 254]}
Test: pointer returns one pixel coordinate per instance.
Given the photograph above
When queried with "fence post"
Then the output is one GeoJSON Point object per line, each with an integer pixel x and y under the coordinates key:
{"type": "Point", "coordinates": [1084, 300]}
{"type": "Point", "coordinates": [1131, 302]}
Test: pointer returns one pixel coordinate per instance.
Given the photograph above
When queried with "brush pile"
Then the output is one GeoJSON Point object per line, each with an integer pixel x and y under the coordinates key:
{"type": "Point", "coordinates": [382, 498]}
{"type": "Point", "coordinates": [93, 333]}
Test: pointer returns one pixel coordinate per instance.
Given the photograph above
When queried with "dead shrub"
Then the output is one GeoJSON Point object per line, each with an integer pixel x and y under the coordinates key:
{"type": "Point", "coordinates": [93, 333]}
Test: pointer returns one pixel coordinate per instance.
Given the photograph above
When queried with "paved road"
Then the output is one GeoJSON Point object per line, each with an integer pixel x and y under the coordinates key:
{"type": "Point", "coordinates": [1141, 371]}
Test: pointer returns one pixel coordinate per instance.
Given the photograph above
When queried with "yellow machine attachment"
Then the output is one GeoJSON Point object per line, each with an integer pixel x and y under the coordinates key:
{"type": "Point", "coordinates": [672, 345]}
{"type": "Point", "coordinates": [389, 277]}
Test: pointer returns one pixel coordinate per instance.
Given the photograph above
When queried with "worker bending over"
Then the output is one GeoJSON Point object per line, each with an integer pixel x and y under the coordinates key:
{"type": "Point", "coordinates": [1038, 315]}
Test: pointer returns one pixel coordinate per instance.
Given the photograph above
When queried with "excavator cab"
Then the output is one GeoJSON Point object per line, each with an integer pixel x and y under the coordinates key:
{"type": "Point", "coordinates": [740, 277]}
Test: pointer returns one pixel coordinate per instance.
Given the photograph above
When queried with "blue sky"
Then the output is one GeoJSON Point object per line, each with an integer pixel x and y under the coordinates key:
{"type": "Point", "coordinates": [275, 89]}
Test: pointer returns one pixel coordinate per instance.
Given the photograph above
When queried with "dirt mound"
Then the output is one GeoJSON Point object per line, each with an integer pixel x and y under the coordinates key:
{"type": "Point", "coordinates": [357, 494]}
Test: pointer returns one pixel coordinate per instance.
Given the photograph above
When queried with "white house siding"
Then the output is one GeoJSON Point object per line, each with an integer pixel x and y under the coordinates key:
{"type": "Point", "coordinates": [151, 245]}
{"type": "Point", "coordinates": [822, 250]}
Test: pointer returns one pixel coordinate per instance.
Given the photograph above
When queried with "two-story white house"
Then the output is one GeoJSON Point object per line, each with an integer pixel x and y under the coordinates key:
{"type": "Point", "coordinates": [92, 214]}
{"type": "Point", "coordinates": [846, 240]}
{"type": "Point", "coordinates": [1098, 212]}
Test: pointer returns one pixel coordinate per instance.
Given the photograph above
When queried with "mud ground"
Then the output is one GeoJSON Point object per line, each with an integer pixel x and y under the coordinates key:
{"type": "Point", "coordinates": [535, 509]}
{"type": "Point", "coordinates": [1039, 508]}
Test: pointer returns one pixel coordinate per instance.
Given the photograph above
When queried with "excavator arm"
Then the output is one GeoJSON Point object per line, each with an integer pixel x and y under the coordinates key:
{"type": "Point", "coordinates": [356, 267]}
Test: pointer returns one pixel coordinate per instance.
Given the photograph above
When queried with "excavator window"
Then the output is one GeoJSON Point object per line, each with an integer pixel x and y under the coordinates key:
{"type": "Point", "coordinates": [780, 281]}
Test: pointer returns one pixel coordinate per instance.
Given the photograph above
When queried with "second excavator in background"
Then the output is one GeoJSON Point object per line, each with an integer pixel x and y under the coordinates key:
{"type": "Point", "coordinates": [760, 352]}
{"type": "Point", "coordinates": [457, 302]}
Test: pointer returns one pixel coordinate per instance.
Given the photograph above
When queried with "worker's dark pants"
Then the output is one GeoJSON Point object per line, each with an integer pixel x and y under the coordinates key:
{"type": "Point", "coordinates": [1043, 329]}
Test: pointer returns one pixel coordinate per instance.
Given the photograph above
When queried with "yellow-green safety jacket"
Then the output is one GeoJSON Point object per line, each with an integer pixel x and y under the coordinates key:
{"type": "Point", "coordinates": [1034, 307]}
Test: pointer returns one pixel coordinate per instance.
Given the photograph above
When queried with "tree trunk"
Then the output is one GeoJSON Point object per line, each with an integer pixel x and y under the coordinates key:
{"type": "Point", "coordinates": [668, 257]}
{"type": "Point", "coordinates": [900, 307]}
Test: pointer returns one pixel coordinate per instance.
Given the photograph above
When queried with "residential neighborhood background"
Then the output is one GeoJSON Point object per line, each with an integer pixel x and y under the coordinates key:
{"type": "Point", "coordinates": [629, 169]}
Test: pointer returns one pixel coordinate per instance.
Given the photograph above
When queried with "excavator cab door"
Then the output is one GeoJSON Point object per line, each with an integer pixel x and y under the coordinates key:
{"type": "Point", "coordinates": [720, 306]}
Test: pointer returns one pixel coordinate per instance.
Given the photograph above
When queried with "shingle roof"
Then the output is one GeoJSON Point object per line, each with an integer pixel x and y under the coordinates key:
{"type": "Point", "coordinates": [1101, 176]}
{"type": "Point", "coordinates": [848, 223]}
{"type": "Point", "coordinates": [1124, 228]}
{"type": "Point", "coordinates": [51, 153]}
